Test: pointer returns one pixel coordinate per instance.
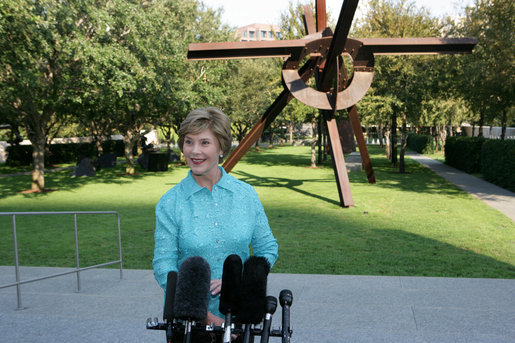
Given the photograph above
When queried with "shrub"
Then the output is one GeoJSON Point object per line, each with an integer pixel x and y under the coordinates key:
{"type": "Point", "coordinates": [21, 155]}
{"type": "Point", "coordinates": [498, 162]}
{"type": "Point", "coordinates": [423, 144]}
{"type": "Point", "coordinates": [464, 153]}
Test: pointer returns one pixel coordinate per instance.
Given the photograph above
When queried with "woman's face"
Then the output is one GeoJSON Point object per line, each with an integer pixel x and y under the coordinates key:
{"type": "Point", "coordinates": [202, 151]}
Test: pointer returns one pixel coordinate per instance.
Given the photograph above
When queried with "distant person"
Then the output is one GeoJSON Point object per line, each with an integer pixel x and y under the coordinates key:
{"type": "Point", "coordinates": [209, 213]}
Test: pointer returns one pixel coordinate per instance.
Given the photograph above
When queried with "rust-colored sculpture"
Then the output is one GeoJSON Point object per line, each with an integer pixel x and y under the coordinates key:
{"type": "Point", "coordinates": [334, 91]}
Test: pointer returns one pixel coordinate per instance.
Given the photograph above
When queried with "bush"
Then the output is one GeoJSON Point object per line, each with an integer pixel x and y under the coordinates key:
{"type": "Point", "coordinates": [464, 153]}
{"type": "Point", "coordinates": [423, 144]}
{"type": "Point", "coordinates": [498, 162]}
{"type": "Point", "coordinates": [21, 155]}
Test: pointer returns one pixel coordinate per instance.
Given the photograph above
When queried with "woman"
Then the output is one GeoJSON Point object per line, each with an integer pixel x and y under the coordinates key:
{"type": "Point", "coordinates": [209, 213]}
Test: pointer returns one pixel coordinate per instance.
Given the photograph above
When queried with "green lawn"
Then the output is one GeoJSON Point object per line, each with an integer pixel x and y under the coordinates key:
{"type": "Point", "coordinates": [410, 224]}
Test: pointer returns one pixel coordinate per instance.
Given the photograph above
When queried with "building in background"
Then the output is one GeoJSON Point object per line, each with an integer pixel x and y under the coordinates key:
{"type": "Point", "coordinates": [258, 32]}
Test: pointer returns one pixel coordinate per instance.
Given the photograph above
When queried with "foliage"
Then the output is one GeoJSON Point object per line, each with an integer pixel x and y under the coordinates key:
{"type": "Point", "coordinates": [488, 73]}
{"type": "Point", "coordinates": [423, 144]}
{"type": "Point", "coordinates": [38, 69]}
{"type": "Point", "coordinates": [20, 155]}
{"type": "Point", "coordinates": [497, 162]}
{"type": "Point", "coordinates": [464, 153]}
{"type": "Point", "coordinates": [254, 84]}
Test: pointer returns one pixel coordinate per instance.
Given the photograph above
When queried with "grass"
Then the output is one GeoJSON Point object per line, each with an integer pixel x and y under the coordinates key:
{"type": "Point", "coordinates": [413, 224]}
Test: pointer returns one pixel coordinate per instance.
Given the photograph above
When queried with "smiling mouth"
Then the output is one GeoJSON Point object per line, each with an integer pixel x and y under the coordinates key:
{"type": "Point", "coordinates": [197, 160]}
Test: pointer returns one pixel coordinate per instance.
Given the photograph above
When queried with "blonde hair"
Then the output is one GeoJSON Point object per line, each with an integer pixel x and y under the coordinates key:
{"type": "Point", "coordinates": [208, 118]}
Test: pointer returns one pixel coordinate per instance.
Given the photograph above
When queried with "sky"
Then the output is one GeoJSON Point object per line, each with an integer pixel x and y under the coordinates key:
{"type": "Point", "coordinates": [244, 12]}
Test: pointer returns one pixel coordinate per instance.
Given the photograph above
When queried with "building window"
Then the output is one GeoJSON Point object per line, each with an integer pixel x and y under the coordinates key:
{"type": "Point", "coordinates": [270, 34]}
{"type": "Point", "coordinates": [245, 34]}
{"type": "Point", "coordinates": [263, 34]}
{"type": "Point", "coordinates": [278, 34]}
{"type": "Point", "coordinates": [251, 34]}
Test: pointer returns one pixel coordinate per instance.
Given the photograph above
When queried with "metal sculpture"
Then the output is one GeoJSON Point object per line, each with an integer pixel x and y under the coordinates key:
{"type": "Point", "coordinates": [334, 90]}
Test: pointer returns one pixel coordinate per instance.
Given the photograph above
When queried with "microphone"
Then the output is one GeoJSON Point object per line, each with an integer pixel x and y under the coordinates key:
{"type": "Point", "coordinates": [286, 299]}
{"type": "Point", "coordinates": [253, 292]}
{"type": "Point", "coordinates": [270, 307]}
{"type": "Point", "coordinates": [192, 292]}
{"type": "Point", "coordinates": [231, 279]}
{"type": "Point", "coordinates": [168, 314]}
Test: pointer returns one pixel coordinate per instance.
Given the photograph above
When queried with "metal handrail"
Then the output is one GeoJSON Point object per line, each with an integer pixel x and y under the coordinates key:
{"type": "Point", "coordinates": [77, 269]}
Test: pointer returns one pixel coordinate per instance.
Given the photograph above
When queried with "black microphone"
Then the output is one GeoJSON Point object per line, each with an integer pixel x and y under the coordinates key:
{"type": "Point", "coordinates": [253, 293]}
{"type": "Point", "coordinates": [231, 279]}
{"type": "Point", "coordinates": [286, 299]}
{"type": "Point", "coordinates": [270, 307]}
{"type": "Point", "coordinates": [192, 293]}
{"type": "Point", "coordinates": [171, 281]}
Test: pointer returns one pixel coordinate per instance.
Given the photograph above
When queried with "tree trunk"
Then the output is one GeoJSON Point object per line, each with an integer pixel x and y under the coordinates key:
{"type": "Point", "coordinates": [38, 141]}
{"type": "Point", "coordinates": [402, 169]}
{"type": "Point", "coordinates": [290, 131]}
{"type": "Point", "coordinates": [380, 135]}
{"type": "Point", "coordinates": [319, 138]}
{"type": "Point", "coordinates": [503, 124]}
{"type": "Point", "coordinates": [481, 123]}
{"type": "Point", "coordinates": [394, 140]}
{"type": "Point", "coordinates": [387, 143]}
{"type": "Point", "coordinates": [128, 140]}
{"type": "Point", "coordinates": [437, 138]}
{"type": "Point", "coordinates": [314, 142]}
{"type": "Point", "coordinates": [443, 138]}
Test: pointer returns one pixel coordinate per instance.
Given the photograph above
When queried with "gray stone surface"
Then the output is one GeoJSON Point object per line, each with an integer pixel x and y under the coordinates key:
{"type": "Point", "coordinates": [107, 160]}
{"type": "Point", "coordinates": [85, 167]}
{"type": "Point", "coordinates": [326, 308]}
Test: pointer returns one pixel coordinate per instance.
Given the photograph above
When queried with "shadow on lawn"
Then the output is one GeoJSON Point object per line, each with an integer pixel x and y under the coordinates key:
{"type": "Point", "coordinates": [290, 183]}
{"type": "Point", "coordinates": [316, 243]}
{"type": "Point", "coordinates": [276, 157]}
{"type": "Point", "coordinates": [62, 180]}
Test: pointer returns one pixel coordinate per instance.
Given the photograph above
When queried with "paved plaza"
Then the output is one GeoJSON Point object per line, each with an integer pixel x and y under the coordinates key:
{"type": "Point", "coordinates": [326, 308]}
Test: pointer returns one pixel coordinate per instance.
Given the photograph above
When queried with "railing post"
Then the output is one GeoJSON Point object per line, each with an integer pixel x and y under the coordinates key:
{"type": "Point", "coordinates": [77, 262]}
{"type": "Point", "coordinates": [16, 264]}
{"type": "Point", "coordinates": [119, 244]}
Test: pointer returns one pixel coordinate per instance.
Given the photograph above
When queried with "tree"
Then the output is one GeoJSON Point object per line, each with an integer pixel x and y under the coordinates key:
{"type": "Point", "coordinates": [488, 82]}
{"type": "Point", "coordinates": [251, 88]}
{"type": "Point", "coordinates": [399, 77]}
{"type": "Point", "coordinates": [38, 69]}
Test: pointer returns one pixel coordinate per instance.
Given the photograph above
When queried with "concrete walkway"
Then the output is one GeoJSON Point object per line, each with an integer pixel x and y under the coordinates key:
{"type": "Point", "coordinates": [494, 196]}
{"type": "Point", "coordinates": [326, 308]}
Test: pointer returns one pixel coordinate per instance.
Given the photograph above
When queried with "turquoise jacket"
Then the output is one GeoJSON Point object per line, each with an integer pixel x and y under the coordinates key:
{"type": "Point", "coordinates": [193, 221]}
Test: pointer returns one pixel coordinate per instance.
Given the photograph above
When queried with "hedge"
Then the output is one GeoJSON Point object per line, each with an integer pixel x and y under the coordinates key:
{"type": "Point", "coordinates": [423, 144]}
{"type": "Point", "coordinates": [498, 162]}
{"type": "Point", "coordinates": [21, 155]}
{"type": "Point", "coordinates": [464, 153]}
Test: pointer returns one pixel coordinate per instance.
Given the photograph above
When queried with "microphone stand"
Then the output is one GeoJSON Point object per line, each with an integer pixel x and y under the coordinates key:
{"type": "Point", "coordinates": [286, 299]}
{"type": "Point", "coordinates": [227, 326]}
{"type": "Point", "coordinates": [187, 331]}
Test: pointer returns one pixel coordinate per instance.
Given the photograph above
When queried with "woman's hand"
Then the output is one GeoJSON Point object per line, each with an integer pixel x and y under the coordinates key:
{"type": "Point", "coordinates": [216, 286]}
{"type": "Point", "coordinates": [212, 319]}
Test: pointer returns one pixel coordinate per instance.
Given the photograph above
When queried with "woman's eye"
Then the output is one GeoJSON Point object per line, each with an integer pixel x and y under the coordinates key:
{"type": "Point", "coordinates": [205, 142]}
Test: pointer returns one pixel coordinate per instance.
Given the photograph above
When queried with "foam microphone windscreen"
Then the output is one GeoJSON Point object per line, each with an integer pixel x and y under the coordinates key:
{"type": "Point", "coordinates": [253, 290]}
{"type": "Point", "coordinates": [192, 293]}
{"type": "Point", "coordinates": [171, 281]}
{"type": "Point", "coordinates": [231, 279]}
